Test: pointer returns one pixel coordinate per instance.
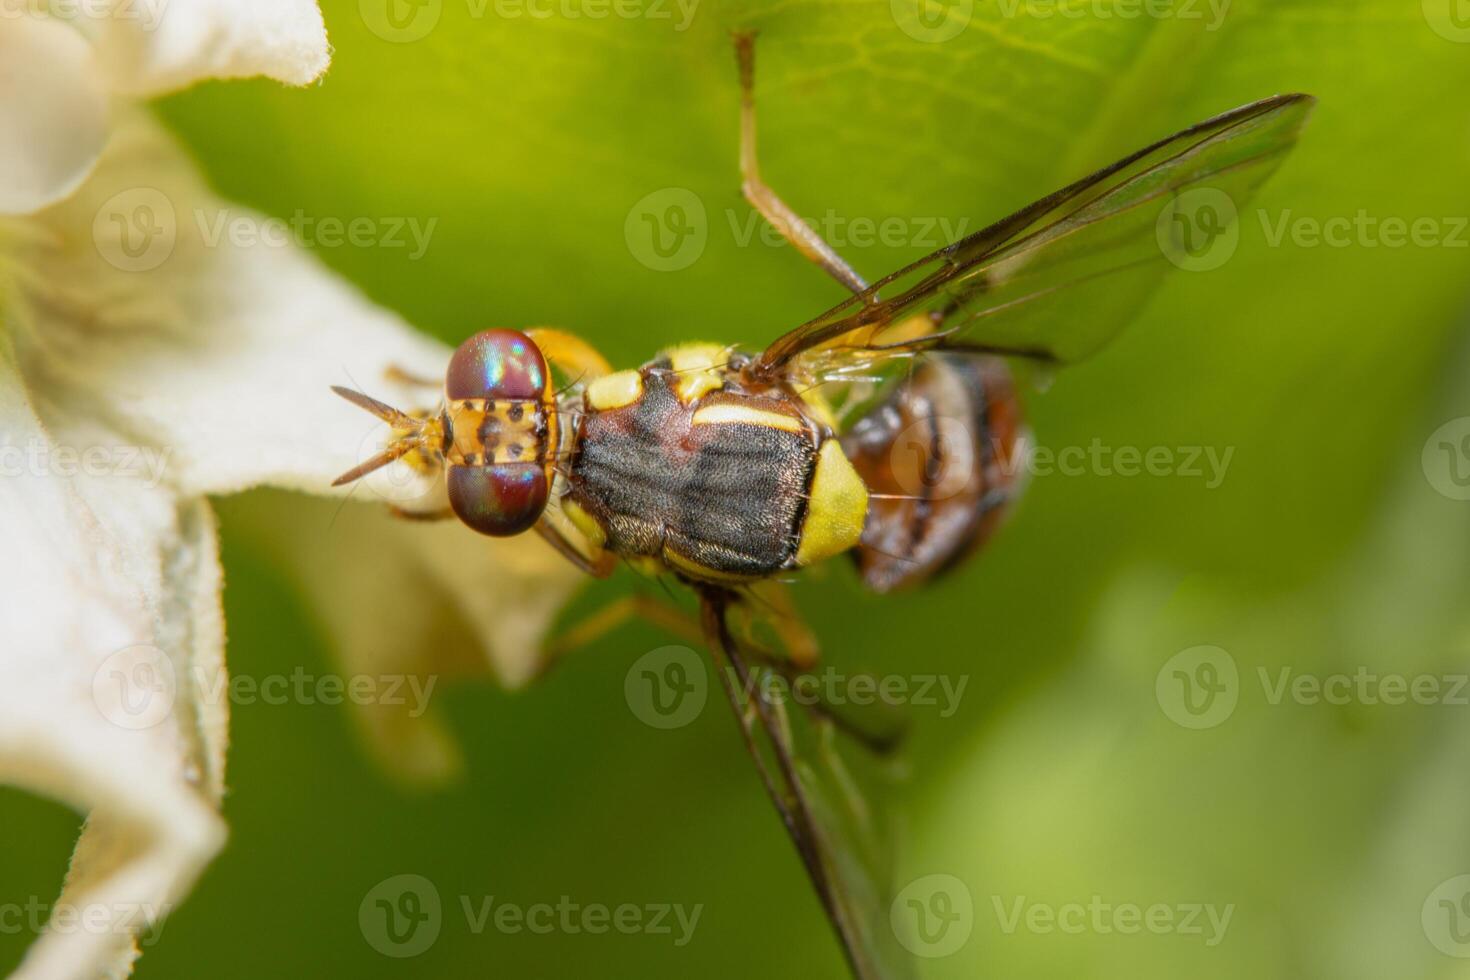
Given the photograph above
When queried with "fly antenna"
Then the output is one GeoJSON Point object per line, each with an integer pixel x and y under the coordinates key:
{"type": "Point", "coordinates": [409, 434]}
{"type": "Point", "coordinates": [389, 414]}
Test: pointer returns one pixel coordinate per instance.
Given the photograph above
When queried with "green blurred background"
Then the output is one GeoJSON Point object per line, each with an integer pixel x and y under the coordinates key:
{"type": "Point", "coordinates": [1334, 543]}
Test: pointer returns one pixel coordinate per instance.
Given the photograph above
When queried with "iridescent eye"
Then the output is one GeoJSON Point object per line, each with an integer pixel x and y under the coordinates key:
{"type": "Point", "coordinates": [499, 500]}
{"type": "Point", "coordinates": [498, 364]}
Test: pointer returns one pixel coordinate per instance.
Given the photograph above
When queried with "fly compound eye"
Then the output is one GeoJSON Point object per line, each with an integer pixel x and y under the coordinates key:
{"type": "Point", "coordinates": [497, 365]}
{"type": "Point", "coordinates": [499, 500]}
{"type": "Point", "coordinates": [503, 435]}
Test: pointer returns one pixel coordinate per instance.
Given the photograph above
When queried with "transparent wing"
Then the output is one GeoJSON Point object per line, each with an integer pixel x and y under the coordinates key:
{"type": "Point", "coordinates": [833, 810]}
{"type": "Point", "coordinates": [1058, 279]}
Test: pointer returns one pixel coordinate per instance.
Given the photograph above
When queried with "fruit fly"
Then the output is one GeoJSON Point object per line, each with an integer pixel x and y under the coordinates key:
{"type": "Point", "coordinates": [886, 429]}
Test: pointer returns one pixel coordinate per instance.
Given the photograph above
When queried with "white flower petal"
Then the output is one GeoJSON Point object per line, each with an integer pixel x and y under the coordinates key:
{"type": "Point", "coordinates": [53, 112]}
{"type": "Point", "coordinates": [399, 597]}
{"type": "Point", "coordinates": [215, 358]}
{"type": "Point", "coordinates": [116, 580]}
{"type": "Point", "coordinates": [153, 46]}
{"type": "Point", "coordinates": [138, 296]}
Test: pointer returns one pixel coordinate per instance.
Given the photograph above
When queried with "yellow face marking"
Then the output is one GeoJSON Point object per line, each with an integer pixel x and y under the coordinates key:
{"type": "Point", "coordinates": [615, 390]}
{"type": "Point", "coordinates": [731, 413]}
{"type": "Point", "coordinates": [486, 433]}
{"type": "Point", "coordinates": [839, 505]}
{"type": "Point", "coordinates": [697, 370]}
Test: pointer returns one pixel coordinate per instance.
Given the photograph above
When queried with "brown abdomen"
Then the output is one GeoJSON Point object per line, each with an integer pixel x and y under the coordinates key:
{"type": "Point", "coordinates": [944, 445]}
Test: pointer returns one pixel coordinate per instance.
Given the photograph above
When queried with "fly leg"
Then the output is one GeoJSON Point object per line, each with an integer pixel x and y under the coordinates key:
{"type": "Point", "coordinates": [403, 375]}
{"type": "Point", "coordinates": [776, 211]}
{"type": "Point", "coordinates": [767, 740]}
{"type": "Point", "coordinates": [613, 615]}
{"type": "Point", "coordinates": [441, 514]}
{"type": "Point", "coordinates": [773, 607]}
{"type": "Point", "coordinates": [569, 353]}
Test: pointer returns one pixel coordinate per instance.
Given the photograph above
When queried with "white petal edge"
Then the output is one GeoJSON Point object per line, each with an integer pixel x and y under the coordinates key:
{"type": "Point", "coordinates": [53, 112]}
{"type": "Point", "coordinates": [430, 601]}
{"type": "Point", "coordinates": [149, 47]}
{"type": "Point", "coordinates": [99, 555]}
{"type": "Point", "coordinates": [203, 336]}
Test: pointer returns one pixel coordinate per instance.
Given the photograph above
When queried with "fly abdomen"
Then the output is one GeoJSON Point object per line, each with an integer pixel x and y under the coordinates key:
{"type": "Point", "coordinates": [940, 457]}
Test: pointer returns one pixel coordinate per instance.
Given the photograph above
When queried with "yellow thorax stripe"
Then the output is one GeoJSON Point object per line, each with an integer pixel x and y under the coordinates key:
{"type": "Point", "coordinates": [730, 413]}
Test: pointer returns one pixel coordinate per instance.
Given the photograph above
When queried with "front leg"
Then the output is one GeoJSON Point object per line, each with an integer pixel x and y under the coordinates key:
{"type": "Point", "coordinates": [776, 211]}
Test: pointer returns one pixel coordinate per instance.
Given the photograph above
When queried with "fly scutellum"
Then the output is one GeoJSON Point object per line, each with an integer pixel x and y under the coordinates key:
{"type": "Point", "coordinates": [886, 429]}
